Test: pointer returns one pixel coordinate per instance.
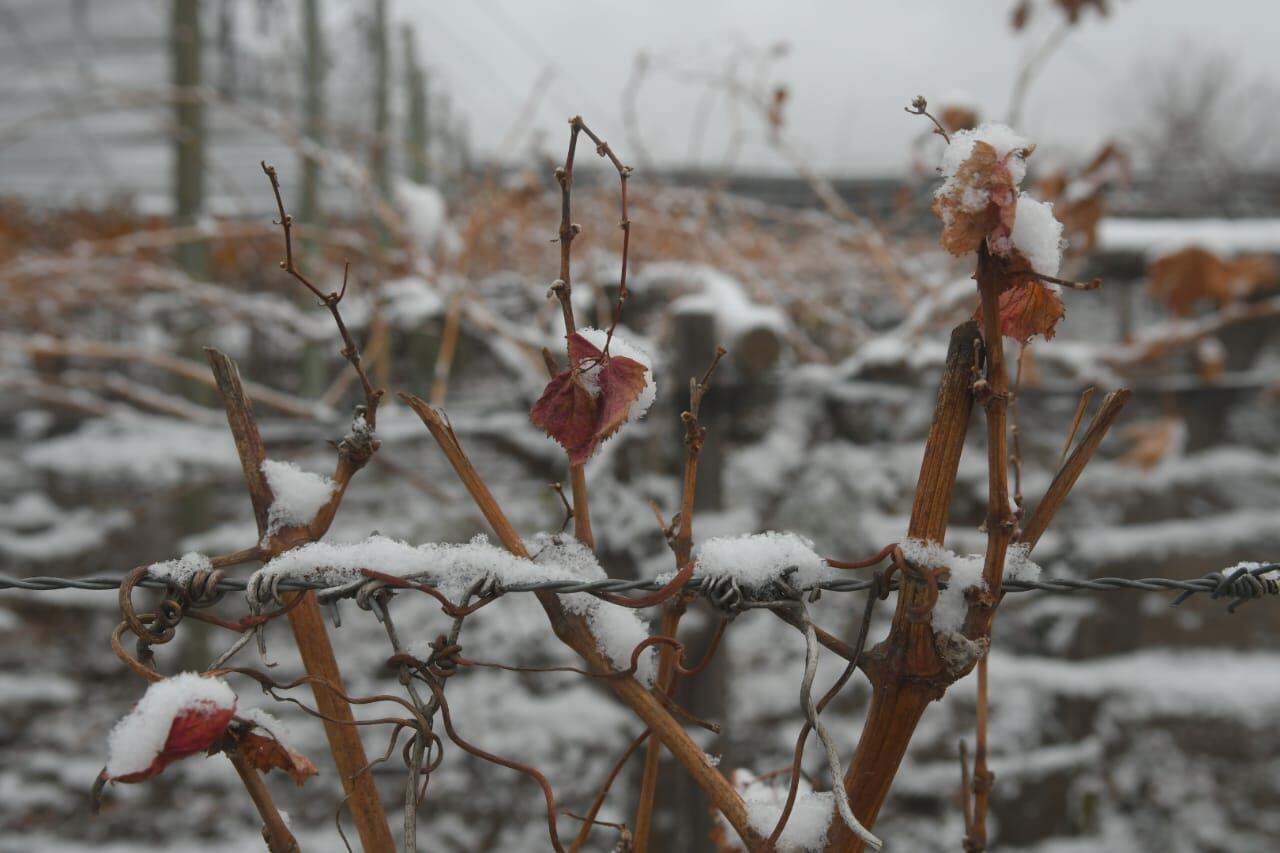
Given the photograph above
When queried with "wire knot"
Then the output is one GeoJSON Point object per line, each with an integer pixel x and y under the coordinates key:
{"type": "Point", "coordinates": [1242, 585]}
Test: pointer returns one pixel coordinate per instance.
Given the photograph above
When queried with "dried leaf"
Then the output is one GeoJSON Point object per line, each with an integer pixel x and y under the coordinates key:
{"type": "Point", "coordinates": [1073, 9]}
{"type": "Point", "coordinates": [266, 753]}
{"type": "Point", "coordinates": [978, 203]}
{"type": "Point", "coordinates": [1184, 279]}
{"type": "Point", "coordinates": [568, 412]}
{"type": "Point", "coordinates": [195, 729]}
{"type": "Point", "coordinates": [621, 382]}
{"type": "Point", "coordinates": [1150, 442]}
{"type": "Point", "coordinates": [1021, 14]}
{"type": "Point", "coordinates": [589, 402]}
{"type": "Point", "coordinates": [956, 117]}
{"type": "Point", "coordinates": [1027, 306]}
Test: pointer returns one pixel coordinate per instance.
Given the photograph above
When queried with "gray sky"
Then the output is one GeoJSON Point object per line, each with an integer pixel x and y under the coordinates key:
{"type": "Point", "coordinates": [851, 68]}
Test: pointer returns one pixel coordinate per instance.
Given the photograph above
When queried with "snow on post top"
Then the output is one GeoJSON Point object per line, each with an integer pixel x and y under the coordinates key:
{"type": "Point", "coordinates": [176, 717]}
{"type": "Point", "coordinates": [297, 494]}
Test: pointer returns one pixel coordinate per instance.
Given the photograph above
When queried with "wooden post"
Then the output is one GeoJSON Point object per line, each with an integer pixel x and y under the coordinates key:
{"type": "Point", "coordinates": [415, 131]}
{"type": "Point", "coordinates": [185, 51]}
{"type": "Point", "coordinates": [380, 50]}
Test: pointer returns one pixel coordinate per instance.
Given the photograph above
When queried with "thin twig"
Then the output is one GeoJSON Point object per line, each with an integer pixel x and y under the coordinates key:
{"type": "Point", "coordinates": [1075, 423]}
{"type": "Point", "coordinates": [329, 300]}
{"type": "Point", "coordinates": [589, 821]}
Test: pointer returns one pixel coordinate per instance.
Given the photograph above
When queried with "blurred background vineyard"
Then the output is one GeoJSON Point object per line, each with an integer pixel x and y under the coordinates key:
{"type": "Point", "coordinates": [780, 208]}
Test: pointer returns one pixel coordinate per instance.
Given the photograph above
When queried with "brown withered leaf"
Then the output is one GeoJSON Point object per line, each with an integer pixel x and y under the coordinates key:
{"type": "Point", "coordinates": [956, 117]}
{"type": "Point", "coordinates": [266, 753]}
{"type": "Point", "coordinates": [1185, 279]}
{"type": "Point", "coordinates": [567, 412]}
{"type": "Point", "coordinates": [1021, 14]}
{"type": "Point", "coordinates": [964, 228]}
{"type": "Point", "coordinates": [1028, 307]}
{"type": "Point", "coordinates": [1073, 9]}
{"type": "Point", "coordinates": [1150, 442]}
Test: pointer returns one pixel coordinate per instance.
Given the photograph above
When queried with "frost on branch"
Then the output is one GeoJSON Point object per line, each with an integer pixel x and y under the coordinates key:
{"type": "Point", "coordinates": [598, 393]}
{"type": "Point", "coordinates": [298, 495]}
{"type": "Point", "coordinates": [980, 202]}
{"type": "Point", "coordinates": [175, 718]}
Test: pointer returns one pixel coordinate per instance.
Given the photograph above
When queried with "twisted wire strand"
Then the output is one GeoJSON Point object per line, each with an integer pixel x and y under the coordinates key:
{"type": "Point", "coordinates": [1241, 585]}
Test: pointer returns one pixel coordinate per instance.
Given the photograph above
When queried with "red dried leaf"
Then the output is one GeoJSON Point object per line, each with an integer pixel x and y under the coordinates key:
{"type": "Point", "coordinates": [569, 414]}
{"type": "Point", "coordinates": [621, 383]}
{"type": "Point", "coordinates": [1028, 308]}
{"type": "Point", "coordinates": [589, 402]}
{"type": "Point", "coordinates": [581, 349]}
{"type": "Point", "coordinates": [266, 753]}
{"type": "Point", "coordinates": [195, 729]}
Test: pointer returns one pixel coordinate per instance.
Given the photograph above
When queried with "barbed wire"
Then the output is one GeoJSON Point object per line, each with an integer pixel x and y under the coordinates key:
{"type": "Point", "coordinates": [1241, 585]}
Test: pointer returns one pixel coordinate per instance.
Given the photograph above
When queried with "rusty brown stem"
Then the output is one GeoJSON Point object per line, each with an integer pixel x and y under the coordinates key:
{"type": "Point", "coordinates": [589, 820]}
{"type": "Point", "coordinates": [1081, 407]}
{"type": "Point", "coordinates": [277, 835]}
{"type": "Point", "coordinates": [307, 622]}
{"type": "Point", "coordinates": [904, 669]}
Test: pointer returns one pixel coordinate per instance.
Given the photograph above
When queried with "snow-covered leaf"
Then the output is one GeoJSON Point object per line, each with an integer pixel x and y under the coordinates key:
{"type": "Point", "coordinates": [175, 718]}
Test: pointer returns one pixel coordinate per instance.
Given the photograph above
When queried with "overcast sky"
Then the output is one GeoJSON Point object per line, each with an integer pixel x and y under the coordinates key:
{"type": "Point", "coordinates": [851, 67]}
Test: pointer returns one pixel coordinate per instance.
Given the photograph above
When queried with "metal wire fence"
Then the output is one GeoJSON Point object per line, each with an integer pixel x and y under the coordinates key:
{"type": "Point", "coordinates": [1240, 585]}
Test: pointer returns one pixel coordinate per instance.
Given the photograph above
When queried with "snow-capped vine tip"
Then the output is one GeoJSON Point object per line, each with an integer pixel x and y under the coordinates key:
{"type": "Point", "coordinates": [981, 206]}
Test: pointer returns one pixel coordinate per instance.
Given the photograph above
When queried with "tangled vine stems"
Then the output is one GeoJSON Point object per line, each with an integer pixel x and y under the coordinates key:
{"type": "Point", "coordinates": [576, 633]}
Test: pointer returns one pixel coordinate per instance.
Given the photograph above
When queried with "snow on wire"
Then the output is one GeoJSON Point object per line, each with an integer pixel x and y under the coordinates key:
{"type": "Point", "coordinates": [1240, 583]}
